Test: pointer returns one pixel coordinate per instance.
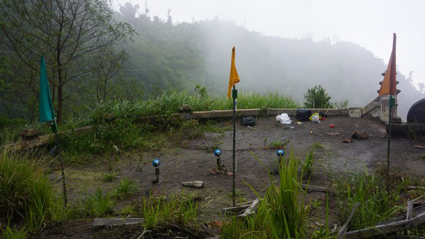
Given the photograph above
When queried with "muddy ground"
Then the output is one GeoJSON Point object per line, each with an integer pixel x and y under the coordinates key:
{"type": "Point", "coordinates": [194, 160]}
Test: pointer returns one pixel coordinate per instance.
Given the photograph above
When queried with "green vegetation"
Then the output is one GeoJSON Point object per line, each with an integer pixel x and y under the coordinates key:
{"type": "Point", "coordinates": [182, 210]}
{"type": "Point", "coordinates": [281, 213]}
{"type": "Point", "coordinates": [376, 204]}
{"type": "Point", "coordinates": [27, 197]}
{"type": "Point", "coordinates": [124, 189]}
{"type": "Point", "coordinates": [308, 164]}
{"type": "Point", "coordinates": [317, 97]}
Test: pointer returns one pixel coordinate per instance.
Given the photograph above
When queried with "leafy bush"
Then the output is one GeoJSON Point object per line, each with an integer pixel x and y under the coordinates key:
{"type": "Point", "coordinates": [316, 97]}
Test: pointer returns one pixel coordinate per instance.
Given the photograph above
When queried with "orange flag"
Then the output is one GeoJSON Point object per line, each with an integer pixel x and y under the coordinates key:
{"type": "Point", "coordinates": [388, 86]}
{"type": "Point", "coordinates": [234, 77]}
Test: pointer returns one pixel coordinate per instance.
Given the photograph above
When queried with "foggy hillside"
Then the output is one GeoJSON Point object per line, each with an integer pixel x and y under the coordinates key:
{"type": "Point", "coordinates": [179, 56]}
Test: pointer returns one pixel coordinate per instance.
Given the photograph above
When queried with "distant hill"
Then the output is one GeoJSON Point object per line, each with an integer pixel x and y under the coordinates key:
{"type": "Point", "coordinates": [178, 56]}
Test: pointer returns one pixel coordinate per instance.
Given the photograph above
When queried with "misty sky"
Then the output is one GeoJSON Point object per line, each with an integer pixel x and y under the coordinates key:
{"type": "Point", "coordinates": [369, 23]}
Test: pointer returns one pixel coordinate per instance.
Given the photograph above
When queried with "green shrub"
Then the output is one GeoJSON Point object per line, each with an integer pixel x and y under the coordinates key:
{"type": "Point", "coordinates": [26, 195]}
{"type": "Point", "coordinates": [316, 97]}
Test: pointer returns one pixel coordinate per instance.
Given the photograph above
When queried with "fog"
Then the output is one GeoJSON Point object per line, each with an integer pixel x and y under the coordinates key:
{"type": "Point", "coordinates": [368, 24]}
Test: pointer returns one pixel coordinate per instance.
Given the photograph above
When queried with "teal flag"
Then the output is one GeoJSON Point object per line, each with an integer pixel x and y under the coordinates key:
{"type": "Point", "coordinates": [47, 112]}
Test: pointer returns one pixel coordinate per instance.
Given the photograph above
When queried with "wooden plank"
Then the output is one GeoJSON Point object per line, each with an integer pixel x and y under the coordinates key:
{"type": "Point", "coordinates": [251, 208]}
{"type": "Point", "coordinates": [345, 226]}
{"type": "Point", "coordinates": [98, 222]}
{"type": "Point", "coordinates": [409, 210]}
{"type": "Point", "coordinates": [387, 228]}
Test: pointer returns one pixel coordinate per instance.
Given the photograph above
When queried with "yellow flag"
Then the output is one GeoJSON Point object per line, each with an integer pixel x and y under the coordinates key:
{"type": "Point", "coordinates": [234, 77]}
{"type": "Point", "coordinates": [389, 84]}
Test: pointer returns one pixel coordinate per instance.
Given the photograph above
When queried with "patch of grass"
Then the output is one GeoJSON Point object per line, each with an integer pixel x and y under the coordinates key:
{"type": "Point", "coordinates": [26, 195]}
{"type": "Point", "coordinates": [317, 145]}
{"type": "Point", "coordinates": [124, 189]}
{"type": "Point", "coordinates": [376, 204]}
{"type": "Point", "coordinates": [10, 233]}
{"type": "Point", "coordinates": [181, 210]}
{"type": "Point", "coordinates": [308, 165]}
{"type": "Point", "coordinates": [96, 205]}
{"type": "Point", "coordinates": [110, 177]}
{"type": "Point", "coordinates": [281, 213]}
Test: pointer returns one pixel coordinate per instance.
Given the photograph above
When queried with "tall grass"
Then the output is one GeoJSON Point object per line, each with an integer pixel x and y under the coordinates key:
{"type": "Point", "coordinates": [281, 212]}
{"type": "Point", "coordinates": [26, 195]}
{"type": "Point", "coordinates": [376, 204]}
{"type": "Point", "coordinates": [169, 102]}
{"type": "Point", "coordinates": [181, 210]}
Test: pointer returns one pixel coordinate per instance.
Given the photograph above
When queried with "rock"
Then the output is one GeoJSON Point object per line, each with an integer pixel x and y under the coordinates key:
{"type": "Point", "coordinates": [194, 184]}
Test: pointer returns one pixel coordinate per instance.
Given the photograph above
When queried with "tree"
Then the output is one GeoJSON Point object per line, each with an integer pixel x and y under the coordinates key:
{"type": "Point", "coordinates": [67, 32]}
{"type": "Point", "coordinates": [316, 97]}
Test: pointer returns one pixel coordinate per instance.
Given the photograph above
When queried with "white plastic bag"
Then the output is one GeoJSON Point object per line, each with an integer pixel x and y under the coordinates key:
{"type": "Point", "coordinates": [283, 118]}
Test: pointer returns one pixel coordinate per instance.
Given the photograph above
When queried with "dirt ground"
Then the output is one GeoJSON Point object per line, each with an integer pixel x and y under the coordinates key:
{"type": "Point", "coordinates": [193, 162]}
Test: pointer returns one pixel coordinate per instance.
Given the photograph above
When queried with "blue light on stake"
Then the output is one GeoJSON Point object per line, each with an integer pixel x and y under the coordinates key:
{"type": "Point", "coordinates": [280, 152]}
{"type": "Point", "coordinates": [217, 152]}
{"type": "Point", "coordinates": [156, 163]}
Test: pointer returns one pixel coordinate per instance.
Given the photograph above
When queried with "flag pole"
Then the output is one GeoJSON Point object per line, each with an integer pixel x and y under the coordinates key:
{"type": "Point", "coordinates": [55, 130]}
{"type": "Point", "coordinates": [234, 96]}
{"type": "Point", "coordinates": [389, 142]}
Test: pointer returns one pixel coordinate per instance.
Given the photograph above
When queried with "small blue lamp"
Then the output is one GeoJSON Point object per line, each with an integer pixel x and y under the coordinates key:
{"type": "Point", "coordinates": [280, 153]}
{"type": "Point", "coordinates": [217, 153]}
{"type": "Point", "coordinates": [156, 164]}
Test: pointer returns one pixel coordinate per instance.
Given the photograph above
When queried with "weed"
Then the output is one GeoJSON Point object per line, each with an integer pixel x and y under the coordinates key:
{"type": "Point", "coordinates": [10, 233]}
{"type": "Point", "coordinates": [317, 145]}
{"type": "Point", "coordinates": [308, 165]}
{"type": "Point", "coordinates": [278, 144]}
{"type": "Point", "coordinates": [181, 210]}
{"type": "Point", "coordinates": [124, 189]}
{"type": "Point", "coordinates": [110, 177]}
{"type": "Point", "coordinates": [128, 211]}
{"type": "Point", "coordinates": [96, 205]}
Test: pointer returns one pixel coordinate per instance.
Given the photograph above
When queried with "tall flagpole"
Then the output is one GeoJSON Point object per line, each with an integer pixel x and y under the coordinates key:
{"type": "Point", "coordinates": [234, 96]}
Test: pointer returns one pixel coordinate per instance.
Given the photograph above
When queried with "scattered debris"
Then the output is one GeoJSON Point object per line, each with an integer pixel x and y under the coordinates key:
{"type": "Point", "coordinates": [222, 170]}
{"type": "Point", "coordinates": [283, 118]}
{"type": "Point", "coordinates": [194, 184]}
{"type": "Point", "coordinates": [251, 209]}
{"type": "Point", "coordinates": [333, 134]}
{"type": "Point", "coordinates": [99, 222]}
{"type": "Point", "coordinates": [319, 224]}
{"type": "Point", "coordinates": [362, 135]}
{"type": "Point", "coordinates": [419, 146]}
{"type": "Point", "coordinates": [347, 141]}
{"type": "Point", "coordinates": [332, 125]}
{"type": "Point", "coordinates": [244, 209]}
{"type": "Point", "coordinates": [248, 121]}
{"type": "Point", "coordinates": [229, 174]}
